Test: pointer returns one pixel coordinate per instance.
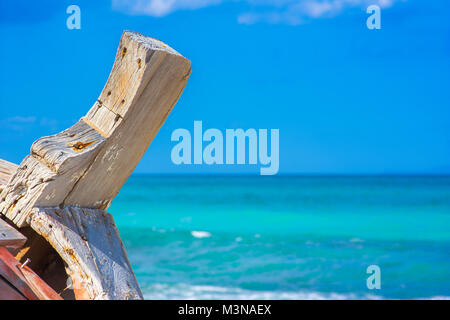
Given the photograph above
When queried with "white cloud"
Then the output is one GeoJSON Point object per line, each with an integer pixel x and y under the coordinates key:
{"type": "Point", "coordinates": [24, 123]}
{"type": "Point", "coordinates": [20, 119]}
{"type": "Point", "coordinates": [17, 123]}
{"type": "Point", "coordinates": [292, 12]}
{"type": "Point", "coordinates": [270, 17]}
{"type": "Point", "coordinates": [298, 12]}
{"type": "Point", "coordinates": [159, 8]}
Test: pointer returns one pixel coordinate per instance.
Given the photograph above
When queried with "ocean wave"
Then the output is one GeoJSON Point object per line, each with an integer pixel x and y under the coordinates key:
{"type": "Point", "coordinates": [200, 234]}
{"type": "Point", "coordinates": [436, 298]}
{"type": "Point", "coordinates": [160, 291]}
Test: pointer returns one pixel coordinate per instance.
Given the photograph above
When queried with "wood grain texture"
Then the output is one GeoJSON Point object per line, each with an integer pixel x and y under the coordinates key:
{"type": "Point", "coordinates": [80, 170]}
{"type": "Point", "coordinates": [7, 170]}
{"type": "Point", "coordinates": [146, 82]}
{"type": "Point", "coordinates": [87, 164]}
{"type": "Point", "coordinates": [10, 238]}
{"type": "Point", "coordinates": [89, 242]}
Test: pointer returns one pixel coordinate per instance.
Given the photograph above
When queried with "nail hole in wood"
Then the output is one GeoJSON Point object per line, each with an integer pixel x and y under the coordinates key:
{"type": "Point", "coordinates": [78, 146]}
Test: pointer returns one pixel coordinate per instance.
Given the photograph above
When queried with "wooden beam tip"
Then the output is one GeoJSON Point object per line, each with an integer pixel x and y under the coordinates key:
{"type": "Point", "coordinates": [150, 42]}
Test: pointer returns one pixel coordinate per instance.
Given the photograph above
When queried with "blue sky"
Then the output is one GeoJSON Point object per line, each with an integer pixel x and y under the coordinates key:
{"type": "Point", "coordinates": [347, 100]}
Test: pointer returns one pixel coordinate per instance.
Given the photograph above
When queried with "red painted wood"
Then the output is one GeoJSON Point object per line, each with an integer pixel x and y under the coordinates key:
{"type": "Point", "coordinates": [9, 293]}
{"type": "Point", "coordinates": [24, 279]}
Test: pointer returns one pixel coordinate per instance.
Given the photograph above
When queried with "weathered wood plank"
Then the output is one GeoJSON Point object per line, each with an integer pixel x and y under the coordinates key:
{"type": "Point", "coordinates": [63, 187]}
{"type": "Point", "coordinates": [89, 242]}
{"type": "Point", "coordinates": [7, 292]}
{"type": "Point", "coordinates": [7, 170]}
{"type": "Point", "coordinates": [146, 82]}
{"type": "Point", "coordinates": [24, 189]}
{"type": "Point", "coordinates": [87, 164]}
{"type": "Point", "coordinates": [10, 238]}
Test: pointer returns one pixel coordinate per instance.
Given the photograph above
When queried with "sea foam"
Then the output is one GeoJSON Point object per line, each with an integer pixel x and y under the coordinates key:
{"type": "Point", "coordinates": [200, 234]}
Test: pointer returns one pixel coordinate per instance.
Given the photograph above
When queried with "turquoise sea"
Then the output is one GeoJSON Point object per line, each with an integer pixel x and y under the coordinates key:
{"type": "Point", "coordinates": [286, 237]}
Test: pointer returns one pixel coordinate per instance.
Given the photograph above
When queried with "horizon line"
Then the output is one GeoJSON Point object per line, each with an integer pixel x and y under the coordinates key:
{"type": "Point", "coordinates": [165, 174]}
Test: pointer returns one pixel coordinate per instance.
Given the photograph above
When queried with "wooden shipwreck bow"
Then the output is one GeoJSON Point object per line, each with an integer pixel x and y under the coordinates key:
{"type": "Point", "coordinates": [62, 189]}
